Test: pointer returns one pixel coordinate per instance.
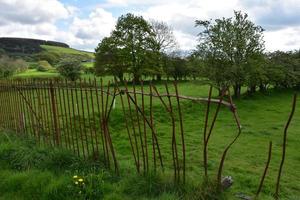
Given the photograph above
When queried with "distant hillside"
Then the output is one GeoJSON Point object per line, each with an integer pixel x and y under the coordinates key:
{"type": "Point", "coordinates": [67, 51]}
{"type": "Point", "coordinates": [26, 46]}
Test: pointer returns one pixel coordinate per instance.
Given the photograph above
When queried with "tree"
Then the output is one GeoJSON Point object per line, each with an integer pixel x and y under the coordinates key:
{"type": "Point", "coordinates": [9, 66]}
{"type": "Point", "coordinates": [284, 69]}
{"type": "Point", "coordinates": [133, 37]}
{"type": "Point", "coordinates": [164, 44]}
{"type": "Point", "coordinates": [229, 44]}
{"type": "Point", "coordinates": [70, 68]}
{"type": "Point", "coordinates": [110, 59]}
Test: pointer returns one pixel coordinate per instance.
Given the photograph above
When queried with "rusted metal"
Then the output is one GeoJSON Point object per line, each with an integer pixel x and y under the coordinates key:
{"type": "Point", "coordinates": [83, 119]}
{"type": "Point", "coordinates": [152, 125]}
{"type": "Point", "coordinates": [219, 176]}
{"type": "Point", "coordinates": [66, 116]}
{"type": "Point", "coordinates": [100, 118]}
{"type": "Point", "coordinates": [265, 171]}
{"type": "Point", "coordinates": [169, 109]}
{"type": "Point", "coordinates": [128, 131]}
{"type": "Point", "coordinates": [205, 133]}
{"type": "Point", "coordinates": [89, 119]}
{"type": "Point", "coordinates": [54, 113]}
{"type": "Point", "coordinates": [61, 121]}
{"type": "Point", "coordinates": [145, 130]}
{"type": "Point", "coordinates": [152, 130]}
{"type": "Point", "coordinates": [276, 195]}
{"type": "Point", "coordinates": [103, 123]}
{"type": "Point", "coordinates": [181, 130]}
{"type": "Point", "coordinates": [73, 109]}
{"type": "Point", "coordinates": [133, 128]}
{"type": "Point", "coordinates": [139, 127]}
{"type": "Point", "coordinates": [96, 151]}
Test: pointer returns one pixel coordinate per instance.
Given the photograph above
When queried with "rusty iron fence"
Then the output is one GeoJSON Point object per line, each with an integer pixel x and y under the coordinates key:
{"type": "Point", "coordinates": [76, 116]}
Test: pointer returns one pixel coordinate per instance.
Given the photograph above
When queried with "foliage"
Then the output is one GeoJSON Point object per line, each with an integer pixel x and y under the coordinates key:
{"type": "Point", "coordinates": [51, 57]}
{"type": "Point", "coordinates": [43, 66]}
{"type": "Point", "coordinates": [9, 66]}
{"type": "Point", "coordinates": [227, 45]}
{"type": "Point", "coordinates": [70, 68]}
{"type": "Point", "coordinates": [126, 49]}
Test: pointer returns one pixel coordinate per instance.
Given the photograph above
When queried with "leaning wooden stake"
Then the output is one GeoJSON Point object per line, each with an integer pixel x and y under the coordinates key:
{"type": "Point", "coordinates": [265, 171]}
{"type": "Point", "coordinates": [284, 146]}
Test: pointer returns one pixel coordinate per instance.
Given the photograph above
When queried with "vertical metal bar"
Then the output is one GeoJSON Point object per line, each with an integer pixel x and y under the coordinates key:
{"type": "Point", "coordinates": [61, 121]}
{"type": "Point", "coordinates": [96, 154]}
{"type": "Point", "coordinates": [265, 171]}
{"type": "Point", "coordinates": [89, 117]}
{"type": "Point", "coordinates": [151, 124]}
{"type": "Point", "coordinates": [133, 128]}
{"type": "Point", "coordinates": [284, 145]}
{"type": "Point", "coordinates": [67, 127]}
{"type": "Point", "coordinates": [48, 122]}
{"type": "Point", "coordinates": [83, 119]}
{"type": "Point", "coordinates": [79, 123]}
{"type": "Point", "coordinates": [139, 126]}
{"type": "Point", "coordinates": [75, 101]}
{"type": "Point", "coordinates": [103, 122]}
{"type": "Point", "coordinates": [145, 128]}
{"type": "Point", "coordinates": [174, 143]}
{"type": "Point", "coordinates": [205, 133]}
{"type": "Point", "coordinates": [127, 128]}
{"type": "Point", "coordinates": [34, 106]}
{"type": "Point", "coordinates": [54, 113]}
{"type": "Point", "coordinates": [181, 129]}
{"type": "Point", "coordinates": [100, 118]}
{"type": "Point", "coordinates": [41, 112]}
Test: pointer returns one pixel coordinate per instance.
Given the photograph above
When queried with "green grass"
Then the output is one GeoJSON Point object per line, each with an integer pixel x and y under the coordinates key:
{"type": "Point", "coordinates": [63, 50]}
{"type": "Point", "coordinates": [263, 117]}
{"type": "Point", "coordinates": [88, 64]}
{"type": "Point", "coordinates": [33, 73]}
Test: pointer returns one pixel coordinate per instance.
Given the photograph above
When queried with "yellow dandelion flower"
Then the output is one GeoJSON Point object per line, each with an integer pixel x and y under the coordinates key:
{"type": "Point", "coordinates": [80, 180]}
{"type": "Point", "coordinates": [75, 176]}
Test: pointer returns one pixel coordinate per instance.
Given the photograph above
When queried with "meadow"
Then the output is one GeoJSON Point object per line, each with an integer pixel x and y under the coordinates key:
{"type": "Point", "coordinates": [263, 117]}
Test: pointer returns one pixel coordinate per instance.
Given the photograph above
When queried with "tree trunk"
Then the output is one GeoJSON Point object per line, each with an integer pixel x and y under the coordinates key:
{"type": "Point", "coordinates": [136, 78]}
{"type": "Point", "coordinates": [158, 77]}
{"type": "Point", "coordinates": [262, 87]}
{"type": "Point", "coordinates": [237, 90]}
{"type": "Point", "coordinates": [252, 89]}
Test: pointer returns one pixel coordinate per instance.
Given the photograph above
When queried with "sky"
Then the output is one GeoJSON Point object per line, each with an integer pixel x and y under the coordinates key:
{"type": "Point", "coordinates": [82, 24]}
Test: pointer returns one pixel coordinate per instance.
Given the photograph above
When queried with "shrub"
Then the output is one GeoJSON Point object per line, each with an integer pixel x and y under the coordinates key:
{"type": "Point", "coordinates": [70, 68]}
{"type": "Point", "coordinates": [44, 66]}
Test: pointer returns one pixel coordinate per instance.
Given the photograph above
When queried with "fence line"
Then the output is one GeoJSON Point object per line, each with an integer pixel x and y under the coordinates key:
{"type": "Point", "coordinates": [76, 116]}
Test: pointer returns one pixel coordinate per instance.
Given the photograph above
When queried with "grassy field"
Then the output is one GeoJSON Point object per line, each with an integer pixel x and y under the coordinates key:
{"type": "Point", "coordinates": [62, 50]}
{"type": "Point", "coordinates": [262, 116]}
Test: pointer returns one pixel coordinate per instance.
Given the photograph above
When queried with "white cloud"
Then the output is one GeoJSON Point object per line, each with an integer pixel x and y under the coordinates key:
{"type": "Point", "coordinates": [284, 39]}
{"type": "Point", "coordinates": [99, 24]}
{"type": "Point", "coordinates": [52, 20]}
{"type": "Point", "coordinates": [32, 11]}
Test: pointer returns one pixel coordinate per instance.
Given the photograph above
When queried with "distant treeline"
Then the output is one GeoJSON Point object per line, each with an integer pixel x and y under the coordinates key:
{"type": "Point", "coordinates": [26, 46]}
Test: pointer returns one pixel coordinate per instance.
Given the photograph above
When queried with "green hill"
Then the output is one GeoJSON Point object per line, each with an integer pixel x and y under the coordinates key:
{"type": "Point", "coordinates": [64, 50]}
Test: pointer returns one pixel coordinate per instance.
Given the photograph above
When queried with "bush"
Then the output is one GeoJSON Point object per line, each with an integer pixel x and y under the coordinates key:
{"type": "Point", "coordinates": [70, 68]}
{"type": "Point", "coordinates": [43, 66]}
{"type": "Point", "coordinates": [8, 66]}
{"type": "Point", "coordinates": [51, 57]}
